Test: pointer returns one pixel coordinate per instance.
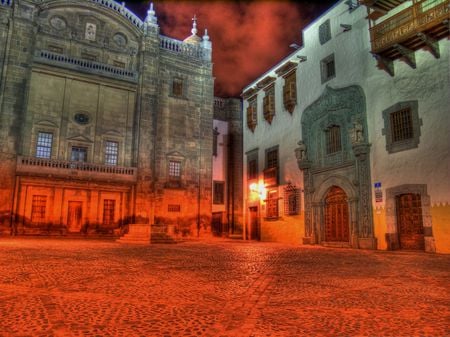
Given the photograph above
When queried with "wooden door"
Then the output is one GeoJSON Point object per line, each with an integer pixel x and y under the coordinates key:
{"type": "Point", "coordinates": [217, 223]}
{"type": "Point", "coordinates": [255, 231]}
{"type": "Point", "coordinates": [409, 221]}
{"type": "Point", "coordinates": [336, 215]}
{"type": "Point", "coordinates": [74, 216]}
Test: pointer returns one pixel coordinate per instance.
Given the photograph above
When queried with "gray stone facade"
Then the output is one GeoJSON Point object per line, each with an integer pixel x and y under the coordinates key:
{"type": "Point", "coordinates": [97, 60]}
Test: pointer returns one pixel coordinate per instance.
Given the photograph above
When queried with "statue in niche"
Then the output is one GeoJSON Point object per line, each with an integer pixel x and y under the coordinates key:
{"type": "Point", "coordinates": [91, 30]}
{"type": "Point", "coordinates": [356, 133]}
{"type": "Point", "coordinates": [300, 152]}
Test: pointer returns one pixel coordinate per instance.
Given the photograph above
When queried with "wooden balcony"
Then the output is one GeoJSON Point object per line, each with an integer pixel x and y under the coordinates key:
{"type": "Point", "coordinates": [415, 27]}
{"type": "Point", "coordinates": [271, 176]}
{"type": "Point", "coordinates": [31, 166]}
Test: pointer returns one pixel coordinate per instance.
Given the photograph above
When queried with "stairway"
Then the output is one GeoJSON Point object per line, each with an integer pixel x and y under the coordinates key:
{"type": "Point", "coordinates": [137, 234]}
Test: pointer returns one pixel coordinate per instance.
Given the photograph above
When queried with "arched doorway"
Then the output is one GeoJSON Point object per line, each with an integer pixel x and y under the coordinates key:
{"type": "Point", "coordinates": [409, 221]}
{"type": "Point", "coordinates": [336, 215]}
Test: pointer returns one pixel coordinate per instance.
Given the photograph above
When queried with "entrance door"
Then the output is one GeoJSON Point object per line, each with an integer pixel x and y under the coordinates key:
{"type": "Point", "coordinates": [217, 223]}
{"type": "Point", "coordinates": [255, 231]}
{"type": "Point", "coordinates": [336, 215]}
{"type": "Point", "coordinates": [409, 221]}
{"type": "Point", "coordinates": [74, 216]}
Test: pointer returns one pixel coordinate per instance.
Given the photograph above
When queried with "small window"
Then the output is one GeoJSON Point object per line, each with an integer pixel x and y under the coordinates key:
{"type": "Point", "coordinates": [324, 32]}
{"type": "Point", "coordinates": [174, 170]}
{"type": "Point", "coordinates": [272, 205]}
{"type": "Point", "coordinates": [44, 145]}
{"type": "Point", "coordinates": [269, 104]}
{"type": "Point", "coordinates": [252, 169]}
{"type": "Point", "coordinates": [333, 139]}
{"type": "Point", "coordinates": [215, 139]}
{"type": "Point", "coordinates": [219, 192]}
{"type": "Point", "coordinates": [111, 152]}
{"type": "Point", "coordinates": [38, 206]}
{"type": "Point", "coordinates": [252, 118]}
{"type": "Point", "coordinates": [327, 68]}
{"type": "Point", "coordinates": [81, 118]}
{"type": "Point", "coordinates": [109, 207]}
{"type": "Point", "coordinates": [402, 126]}
{"type": "Point", "coordinates": [291, 200]}
{"type": "Point", "coordinates": [177, 87]}
{"type": "Point", "coordinates": [174, 208]}
{"type": "Point", "coordinates": [78, 154]}
{"type": "Point", "coordinates": [272, 158]}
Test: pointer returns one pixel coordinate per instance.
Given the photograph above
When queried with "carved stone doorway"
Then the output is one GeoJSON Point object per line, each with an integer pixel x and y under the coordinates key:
{"type": "Point", "coordinates": [74, 216]}
{"type": "Point", "coordinates": [409, 221]}
{"type": "Point", "coordinates": [336, 215]}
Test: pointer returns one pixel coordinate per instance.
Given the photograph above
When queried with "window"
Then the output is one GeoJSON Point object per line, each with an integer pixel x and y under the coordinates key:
{"type": "Point", "coordinates": [269, 104]}
{"type": "Point", "coordinates": [402, 126]}
{"type": "Point", "coordinates": [272, 158]}
{"type": "Point", "coordinates": [109, 207]}
{"type": "Point", "coordinates": [177, 87]}
{"type": "Point", "coordinates": [44, 145]}
{"type": "Point", "coordinates": [81, 118]}
{"type": "Point", "coordinates": [327, 68]}
{"type": "Point", "coordinates": [333, 139]}
{"type": "Point", "coordinates": [219, 189]}
{"type": "Point", "coordinates": [290, 92]}
{"type": "Point", "coordinates": [215, 138]}
{"type": "Point", "coordinates": [174, 208]}
{"type": "Point", "coordinates": [324, 32]}
{"type": "Point", "coordinates": [252, 119]}
{"type": "Point", "coordinates": [291, 200]}
{"type": "Point", "coordinates": [78, 154]}
{"type": "Point", "coordinates": [174, 170]}
{"type": "Point", "coordinates": [111, 152]}
{"type": "Point", "coordinates": [252, 169]}
{"type": "Point", "coordinates": [38, 205]}
{"type": "Point", "coordinates": [272, 204]}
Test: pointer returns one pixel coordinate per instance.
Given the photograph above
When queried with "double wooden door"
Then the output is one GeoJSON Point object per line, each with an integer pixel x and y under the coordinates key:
{"type": "Point", "coordinates": [255, 230]}
{"type": "Point", "coordinates": [409, 221]}
{"type": "Point", "coordinates": [74, 216]}
{"type": "Point", "coordinates": [336, 215]}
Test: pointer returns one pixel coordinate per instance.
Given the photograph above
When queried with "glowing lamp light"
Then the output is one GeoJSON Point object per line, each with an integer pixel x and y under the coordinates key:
{"type": "Point", "coordinates": [259, 188]}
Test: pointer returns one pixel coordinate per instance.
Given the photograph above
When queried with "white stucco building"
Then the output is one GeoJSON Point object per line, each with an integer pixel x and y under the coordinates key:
{"type": "Point", "coordinates": [347, 140]}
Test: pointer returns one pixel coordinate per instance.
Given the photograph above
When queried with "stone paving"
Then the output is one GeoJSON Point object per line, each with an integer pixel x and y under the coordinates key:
{"type": "Point", "coordinates": [62, 287]}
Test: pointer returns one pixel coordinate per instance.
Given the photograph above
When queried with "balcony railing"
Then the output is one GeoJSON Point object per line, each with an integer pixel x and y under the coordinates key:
{"type": "Point", "coordinates": [82, 170]}
{"type": "Point", "coordinates": [180, 47]}
{"type": "Point", "coordinates": [418, 18]}
{"type": "Point", "coordinates": [7, 3]}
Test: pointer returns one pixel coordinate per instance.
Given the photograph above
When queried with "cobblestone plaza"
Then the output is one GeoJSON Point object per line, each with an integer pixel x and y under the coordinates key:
{"type": "Point", "coordinates": [64, 287]}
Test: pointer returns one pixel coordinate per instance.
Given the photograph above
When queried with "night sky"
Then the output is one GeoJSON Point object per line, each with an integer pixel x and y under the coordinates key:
{"type": "Point", "coordinates": [248, 37]}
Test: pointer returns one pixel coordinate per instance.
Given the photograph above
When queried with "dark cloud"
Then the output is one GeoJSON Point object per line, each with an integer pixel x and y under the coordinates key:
{"type": "Point", "coordinates": [248, 37]}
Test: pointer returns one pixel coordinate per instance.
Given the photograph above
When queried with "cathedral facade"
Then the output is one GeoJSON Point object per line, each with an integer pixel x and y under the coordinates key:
{"type": "Point", "coordinates": [346, 140]}
{"type": "Point", "coordinates": [104, 121]}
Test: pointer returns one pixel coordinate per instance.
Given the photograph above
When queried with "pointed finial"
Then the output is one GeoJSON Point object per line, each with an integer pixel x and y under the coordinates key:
{"type": "Point", "coordinates": [151, 15]}
{"type": "Point", "coordinates": [194, 25]}
{"type": "Point", "coordinates": [206, 36]}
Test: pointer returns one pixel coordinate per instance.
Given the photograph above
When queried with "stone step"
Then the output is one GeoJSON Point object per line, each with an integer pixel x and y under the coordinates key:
{"type": "Point", "coordinates": [336, 244]}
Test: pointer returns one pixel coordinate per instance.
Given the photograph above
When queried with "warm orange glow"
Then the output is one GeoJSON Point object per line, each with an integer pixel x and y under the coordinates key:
{"type": "Point", "coordinates": [259, 188]}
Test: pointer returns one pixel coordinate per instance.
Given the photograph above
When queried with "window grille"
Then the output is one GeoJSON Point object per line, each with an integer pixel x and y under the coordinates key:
{"type": "Point", "coordinates": [272, 158]}
{"type": "Point", "coordinates": [252, 119]}
{"type": "Point", "coordinates": [38, 205]}
{"type": "Point", "coordinates": [269, 105]}
{"type": "Point", "coordinates": [44, 145]}
{"type": "Point", "coordinates": [291, 200]}
{"type": "Point", "coordinates": [333, 139]}
{"type": "Point", "coordinates": [327, 68]}
{"type": "Point", "coordinates": [219, 192]}
{"type": "Point", "coordinates": [174, 170]}
{"type": "Point", "coordinates": [401, 125]}
{"type": "Point", "coordinates": [108, 211]}
{"type": "Point", "coordinates": [174, 208]}
{"type": "Point", "coordinates": [252, 169]}
{"type": "Point", "coordinates": [330, 69]}
{"type": "Point", "coordinates": [111, 153]}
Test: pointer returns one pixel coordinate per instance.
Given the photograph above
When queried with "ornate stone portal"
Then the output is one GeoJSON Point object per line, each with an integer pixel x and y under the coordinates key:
{"type": "Point", "coordinates": [334, 152]}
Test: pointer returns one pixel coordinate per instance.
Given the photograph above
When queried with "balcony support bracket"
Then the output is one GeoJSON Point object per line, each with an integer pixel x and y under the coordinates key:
{"type": "Point", "coordinates": [384, 64]}
{"type": "Point", "coordinates": [431, 44]}
{"type": "Point", "coordinates": [408, 55]}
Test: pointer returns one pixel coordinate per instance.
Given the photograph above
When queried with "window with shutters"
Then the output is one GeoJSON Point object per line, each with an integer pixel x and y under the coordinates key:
{"type": "Point", "coordinates": [252, 119]}
{"type": "Point", "coordinates": [291, 200]}
{"type": "Point", "coordinates": [290, 92]}
{"type": "Point", "coordinates": [219, 192]}
{"type": "Point", "coordinates": [269, 104]}
{"type": "Point", "coordinates": [271, 171]}
{"type": "Point", "coordinates": [38, 205]}
{"type": "Point", "coordinates": [252, 165]}
{"type": "Point", "coordinates": [272, 204]}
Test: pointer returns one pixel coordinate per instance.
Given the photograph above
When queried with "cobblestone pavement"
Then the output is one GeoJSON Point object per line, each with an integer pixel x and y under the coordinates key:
{"type": "Point", "coordinates": [62, 287]}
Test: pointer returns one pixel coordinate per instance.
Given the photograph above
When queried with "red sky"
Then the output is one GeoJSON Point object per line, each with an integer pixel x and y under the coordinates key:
{"type": "Point", "coordinates": [248, 37]}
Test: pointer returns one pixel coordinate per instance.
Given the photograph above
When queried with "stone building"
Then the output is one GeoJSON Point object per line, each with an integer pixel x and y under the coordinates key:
{"type": "Point", "coordinates": [104, 122]}
{"type": "Point", "coordinates": [346, 140]}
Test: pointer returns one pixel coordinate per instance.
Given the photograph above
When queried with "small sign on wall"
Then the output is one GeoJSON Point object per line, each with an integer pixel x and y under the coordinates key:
{"type": "Point", "coordinates": [378, 192]}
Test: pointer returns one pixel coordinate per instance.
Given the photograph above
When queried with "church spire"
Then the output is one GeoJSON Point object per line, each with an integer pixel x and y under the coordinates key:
{"type": "Point", "coordinates": [151, 17]}
{"type": "Point", "coordinates": [194, 25]}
